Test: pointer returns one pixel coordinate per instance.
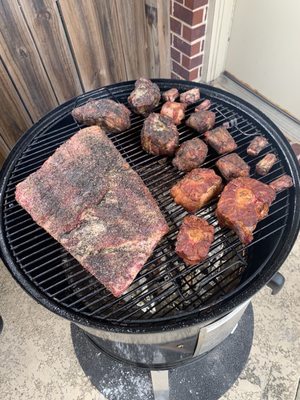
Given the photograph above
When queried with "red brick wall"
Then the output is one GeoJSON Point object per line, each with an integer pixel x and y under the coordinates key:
{"type": "Point", "coordinates": [188, 25]}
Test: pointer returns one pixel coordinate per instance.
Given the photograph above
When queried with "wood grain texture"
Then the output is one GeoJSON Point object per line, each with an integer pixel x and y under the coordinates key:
{"type": "Point", "coordinates": [14, 119]}
{"type": "Point", "coordinates": [151, 32]}
{"type": "Point", "coordinates": [4, 150]}
{"type": "Point", "coordinates": [95, 37]}
{"type": "Point", "coordinates": [51, 50]}
{"type": "Point", "coordinates": [23, 61]}
{"type": "Point", "coordinates": [145, 37]}
{"type": "Point", "coordinates": [132, 21]}
{"type": "Point", "coordinates": [47, 30]}
{"type": "Point", "coordinates": [163, 27]}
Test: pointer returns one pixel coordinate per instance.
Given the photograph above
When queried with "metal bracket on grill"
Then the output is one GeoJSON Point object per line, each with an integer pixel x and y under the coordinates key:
{"type": "Point", "coordinates": [213, 334]}
{"type": "Point", "coordinates": [276, 283]}
{"type": "Point", "coordinates": [200, 342]}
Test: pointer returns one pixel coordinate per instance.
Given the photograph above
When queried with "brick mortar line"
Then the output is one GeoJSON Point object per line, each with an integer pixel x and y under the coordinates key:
{"type": "Point", "coordinates": [201, 53]}
{"type": "Point", "coordinates": [197, 79]}
{"type": "Point", "coordinates": [186, 41]}
{"type": "Point", "coordinates": [188, 69]}
{"type": "Point", "coordinates": [196, 9]}
{"type": "Point", "coordinates": [188, 25]}
{"type": "Point", "coordinates": [180, 56]}
{"type": "Point", "coordinates": [181, 27]}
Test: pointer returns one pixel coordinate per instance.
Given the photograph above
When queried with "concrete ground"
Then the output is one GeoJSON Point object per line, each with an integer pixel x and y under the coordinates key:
{"type": "Point", "coordinates": [37, 360]}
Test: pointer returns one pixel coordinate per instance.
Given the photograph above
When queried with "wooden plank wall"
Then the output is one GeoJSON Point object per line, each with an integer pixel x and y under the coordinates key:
{"type": "Point", "coordinates": [53, 50]}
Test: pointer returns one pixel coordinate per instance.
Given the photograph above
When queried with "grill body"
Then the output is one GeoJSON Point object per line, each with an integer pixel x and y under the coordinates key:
{"type": "Point", "coordinates": [166, 349]}
{"type": "Point", "coordinates": [166, 296]}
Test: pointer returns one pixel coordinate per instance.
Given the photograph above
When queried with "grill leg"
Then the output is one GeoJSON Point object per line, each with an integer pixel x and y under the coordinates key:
{"type": "Point", "coordinates": [160, 384]}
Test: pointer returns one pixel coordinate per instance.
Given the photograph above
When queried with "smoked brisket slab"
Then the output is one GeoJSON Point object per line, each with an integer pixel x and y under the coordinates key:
{"type": "Point", "coordinates": [90, 200]}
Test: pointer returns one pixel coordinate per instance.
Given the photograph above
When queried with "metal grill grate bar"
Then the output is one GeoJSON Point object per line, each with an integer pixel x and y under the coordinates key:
{"type": "Point", "coordinates": [215, 245]}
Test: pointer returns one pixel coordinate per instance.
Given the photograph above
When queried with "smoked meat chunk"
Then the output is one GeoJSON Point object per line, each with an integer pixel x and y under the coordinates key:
{"type": "Point", "coordinates": [220, 140]}
{"type": "Point", "coordinates": [282, 183]}
{"type": "Point", "coordinates": [194, 239]}
{"type": "Point", "coordinates": [92, 202]}
{"type": "Point", "coordinates": [190, 96]}
{"type": "Point", "coordinates": [173, 110]}
{"type": "Point", "coordinates": [257, 145]}
{"type": "Point", "coordinates": [201, 121]}
{"type": "Point", "coordinates": [243, 203]}
{"type": "Point", "coordinates": [232, 166]}
{"type": "Point", "coordinates": [145, 97]}
{"type": "Point", "coordinates": [108, 114]}
{"type": "Point", "coordinates": [263, 167]}
{"type": "Point", "coordinates": [191, 154]}
{"type": "Point", "coordinates": [196, 189]}
{"type": "Point", "coordinates": [159, 135]}
{"type": "Point", "coordinates": [170, 95]}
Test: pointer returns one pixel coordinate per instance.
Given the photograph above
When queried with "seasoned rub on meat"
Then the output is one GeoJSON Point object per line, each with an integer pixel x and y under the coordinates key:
{"type": "Point", "coordinates": [220, 140]}
{"type": "Point", "coordinates": [91, 201]}
{"type": "Point", "coordinates": [232, 166]}
{"type": "Point", "coordinates": [174, 111]}
{"type": "Point", "coordinates": [159, 135]}
{"type": "Point", "coordinates": [243, 203]}
{"type": "Point", "coordinates": [194, 239]}
{"type": "Point", "coordinates": [204, 106]}
{"type": "Point", "coordinates": [282, 183]}
{"type": "Point", "coordinates": [108, 114]}
{"type": "Point", "coordinates": [191, 154]}
{"type": "Point", "coordinates": [257, 145]}
{"type": "Point", "coordinates": [264, 165]}
{"type": "Point", "coordinates": [145, 97]}
{"type": "Point", "coordinates": [196, 189]}
{"type": "Point", "coordinates": [201, 121]}
{"type": "Point", "coordinates": [190, 96]}
{"type": "Point", "coordinates": [170, 95]}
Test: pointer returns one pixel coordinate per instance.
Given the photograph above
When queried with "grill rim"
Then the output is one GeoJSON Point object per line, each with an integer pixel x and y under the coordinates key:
{"type": "Point", "coordinates": [265, 271]}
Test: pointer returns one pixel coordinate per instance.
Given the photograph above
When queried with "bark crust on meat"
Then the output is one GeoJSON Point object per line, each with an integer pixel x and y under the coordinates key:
{"type": "Point", "coordinates": [282, 183]}
{"type": "Point", "coordinates": [170, 95]}
{"type": "Point", "coordinates": [243, 203]}
{"type": "Point", "coordinates": [173, 110]}
{"type": "Point", "coordinates": [194, 239]}
{"type": "Point", "coordinates": [257, 145]}
{"type": "Point", "coordinates": [201, 121]}
{"type": "Point", "coordinates": [90, 200]}
{"type": "Point", "coordinates": [108, 114]}
{"type": "Point", "coordinates": [204, 106]}
{"type": "Point", "coordinates": [191, 154]}
{"type": "Point", "coordinates": [263, 167]}
{"type": "Point", "coordinates": [159, 135]}
{"type": "Point", "coordinates": [145, 97]}
{"type": "Point", "coordinates": [196, 189]}
{"type": "Point", "coordinates": [220, 140]}
{"type": "Point", "coordinates": [232, 166]}
{"type": "Point", "coordinates": [190, 96]}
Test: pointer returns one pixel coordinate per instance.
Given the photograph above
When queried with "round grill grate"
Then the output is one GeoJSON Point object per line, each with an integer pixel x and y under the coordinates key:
{"type": "Point", "coordinates": [165, 290]}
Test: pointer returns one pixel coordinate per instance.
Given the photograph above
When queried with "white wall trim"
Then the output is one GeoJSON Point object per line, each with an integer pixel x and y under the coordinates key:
{"type": "Point", "coordinates": [219, 21]}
